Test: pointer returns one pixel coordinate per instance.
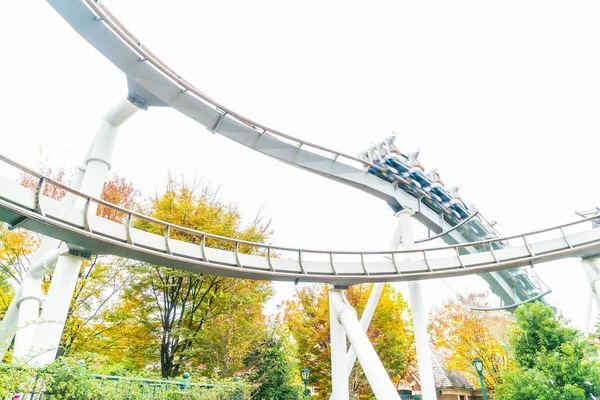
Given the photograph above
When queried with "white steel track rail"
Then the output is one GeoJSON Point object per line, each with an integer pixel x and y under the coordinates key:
{"type": "Point", "coordinates": [96, 24]}
{"type": "Point", "coordinates": [86, 233]}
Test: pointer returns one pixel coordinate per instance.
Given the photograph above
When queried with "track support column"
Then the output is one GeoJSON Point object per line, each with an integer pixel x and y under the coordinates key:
{"type": "Point", "coordinates": [97, 165]}
{"type": "Point", "coordinates": [54, 314]}
{"type": "Point", "coordinates": [419, 315]}
{"type": "Point", "coordinates": [8, 326]}
{"type": "Point", "coordinates": [19, 308]}
{"type": "Point", "coordinates": [28, 301]}
{"type": "Point", "coordinates": [591, 267]}
{"type": "Point", "coordinates": [369, 311]}
{"type": "Point", "coordinates": [339, 377]}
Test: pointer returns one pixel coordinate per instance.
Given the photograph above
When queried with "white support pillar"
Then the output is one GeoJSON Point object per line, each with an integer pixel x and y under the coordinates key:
{"type": "Point", "coordinates": [24, 312]}
{"type": "Point", "coordinates": [591, 267]}
{"type": "Point", "coordinates": [378, 378]}
{"type": "Point", "coordinates": [419, 315]}
{"type": "Point", "coordinates": [29, 306]}
{"type": "Point", "coordinates": [587, 313]}
{"type": "Point", "coordinates": [30, 301]}
{"type": "Point", "coordinates": [54, 314]}
{"type": "Point", "coordinates": [369, 311]}
{"type": "Point", "coordinates": [97, 164]}
{"type": "Point", "coordinates": [8, 326]}
{"type": "Point", "coordinates": [339, 378]}
{"type": "Point", "coordinates": [25, 307]}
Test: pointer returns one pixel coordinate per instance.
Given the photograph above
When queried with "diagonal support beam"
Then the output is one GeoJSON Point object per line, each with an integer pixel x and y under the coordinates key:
{"type": "Point", "coordinates": [369, 311]}
{"type": "Point", "coordinates": [365, 321]}
{"type": "Point", "coordinates": [378, 378]}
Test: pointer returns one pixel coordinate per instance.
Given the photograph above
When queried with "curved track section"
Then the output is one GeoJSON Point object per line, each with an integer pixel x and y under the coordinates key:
{"type": "Point", "coordinates": [149, 240]}
{"type": "Point", "coordinates": [153, 83]}
{"type": "Point", "coordinates": [100, 28]}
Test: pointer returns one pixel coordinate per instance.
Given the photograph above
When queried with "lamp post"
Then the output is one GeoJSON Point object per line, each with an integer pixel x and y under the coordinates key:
{"type": "Point", "coordinates": [238, 380]}
{"type": "Point", "coordinates": [305, 372]}
{"type": "Point", "coordinates": [478, 364]}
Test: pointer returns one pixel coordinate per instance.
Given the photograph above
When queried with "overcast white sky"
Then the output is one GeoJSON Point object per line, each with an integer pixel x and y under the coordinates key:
{"type": "Point", "coordinates": [501, 97]}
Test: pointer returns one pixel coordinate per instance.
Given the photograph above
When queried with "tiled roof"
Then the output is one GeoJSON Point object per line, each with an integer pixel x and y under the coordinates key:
{"type": "Point", "coordinates": [445, 378]}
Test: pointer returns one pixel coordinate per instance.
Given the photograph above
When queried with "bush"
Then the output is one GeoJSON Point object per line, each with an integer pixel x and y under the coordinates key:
{"type": "Point", "coordinates": [66, 379]}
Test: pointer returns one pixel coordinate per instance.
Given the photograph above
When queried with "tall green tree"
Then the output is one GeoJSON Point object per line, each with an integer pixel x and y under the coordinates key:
{"type": "Point", "coordinates": [548, 352]}
{"type": "Point", "coordinates": [188, 305]}
{"type": "Point", "coordinates": [236, 323]}
{"type": "Point", "coordinates": [272, 367]}
{"type": "Point", "coordinates": [307, 317]}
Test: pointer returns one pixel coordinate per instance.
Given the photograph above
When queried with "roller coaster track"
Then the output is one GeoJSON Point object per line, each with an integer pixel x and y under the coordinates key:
{"type": "Point", "coordinates": [153, 83]}
{"type": "Point", "coordinates": [184, 248]}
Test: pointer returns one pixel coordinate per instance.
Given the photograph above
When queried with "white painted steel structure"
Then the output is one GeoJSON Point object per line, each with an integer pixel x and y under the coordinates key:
{"type": "Point", "coordinates": [87, 233]}
{"type": "Point", "coordinates": [73, 230]}
{"type": "Point", "coordinates": [153, 83]}
{"type": "Point", "coordinates": [91, 234]}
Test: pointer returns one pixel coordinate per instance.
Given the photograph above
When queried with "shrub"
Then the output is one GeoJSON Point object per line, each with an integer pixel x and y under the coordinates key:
{"type": "Point", "coordinates": [66, 379]}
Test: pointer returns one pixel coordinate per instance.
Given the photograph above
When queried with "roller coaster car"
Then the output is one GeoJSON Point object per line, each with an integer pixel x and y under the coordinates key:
{"type": "Point", "coordinates": [387, 173]}
{"type": "Point", "coordinates": [397, 161]}
{"type": "Point", "coordinates": [438, 199]}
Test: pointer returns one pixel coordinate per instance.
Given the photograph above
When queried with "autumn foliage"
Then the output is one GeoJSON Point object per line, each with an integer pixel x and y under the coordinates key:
{"type": "Point", "coordinates": [463, 335]}
{"type": "Point", "coordinates": [307, 318]}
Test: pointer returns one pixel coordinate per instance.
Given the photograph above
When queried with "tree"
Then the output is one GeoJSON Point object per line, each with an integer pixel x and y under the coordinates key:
{"type": "Point", "coordinates": [134, 316]}
{"type": "Point", "coordinates": [16, 251]}
{"type": "Point", "coordinates": [6, 295]}
{"type": "Point", "coordinates": [123, 340]}
{"type": "Point", "coordinates": [465, 335]}
{"type": "Point", "coordinates": [547, 350]}
{"type": "Point", "coordinates": [184, 302]}
{"type": "Point", "coordinates": [236, 323]}
{"type": "Point", "coordinates": [307, 318]}
{"type": "Point", "coordinates": [529, 384]}
{"type": "Point", "coordinates": [272, 367]}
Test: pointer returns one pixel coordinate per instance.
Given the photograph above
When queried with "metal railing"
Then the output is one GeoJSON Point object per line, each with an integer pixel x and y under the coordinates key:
{"type": "Point", "coordinates": [149, 388]}
{"type": "Point", "coordinates": [38, 384]}
{"type": "Point", "coordinates": [271, 251]}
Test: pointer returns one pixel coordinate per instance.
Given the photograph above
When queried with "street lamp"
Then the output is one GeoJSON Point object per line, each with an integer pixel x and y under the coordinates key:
{"type": "Point", "coordinates": [478, 364]}
{"type": "Point", "coordinates": [305, 372]}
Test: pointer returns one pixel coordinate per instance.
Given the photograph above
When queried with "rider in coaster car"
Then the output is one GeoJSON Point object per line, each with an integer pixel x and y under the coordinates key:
{"type": "Point", "coordinates": [374, 157]}
{"type": "Point", "coordinates": [437, 188]}
{"type": "Point", "coordinates": [456, 203]}
{"type": "Point", "coordinates": [434, 177]}
{"type": "Point", "coordinates": [413, 160]}
{"type": "Point", "coordinates": [397, 160]}
{"type": "Point", "coordinates": [398, 163]}
{"type": "Point", "coordinates": [417, 175]}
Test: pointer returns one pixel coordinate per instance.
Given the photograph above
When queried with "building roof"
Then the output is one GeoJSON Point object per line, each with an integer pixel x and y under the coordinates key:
{"type": "Point", "coordinates": [445, 378]}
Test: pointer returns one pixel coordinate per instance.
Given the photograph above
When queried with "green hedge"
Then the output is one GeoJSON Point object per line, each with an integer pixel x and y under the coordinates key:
{"type": "Point", "coordinates": [67, 379]}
